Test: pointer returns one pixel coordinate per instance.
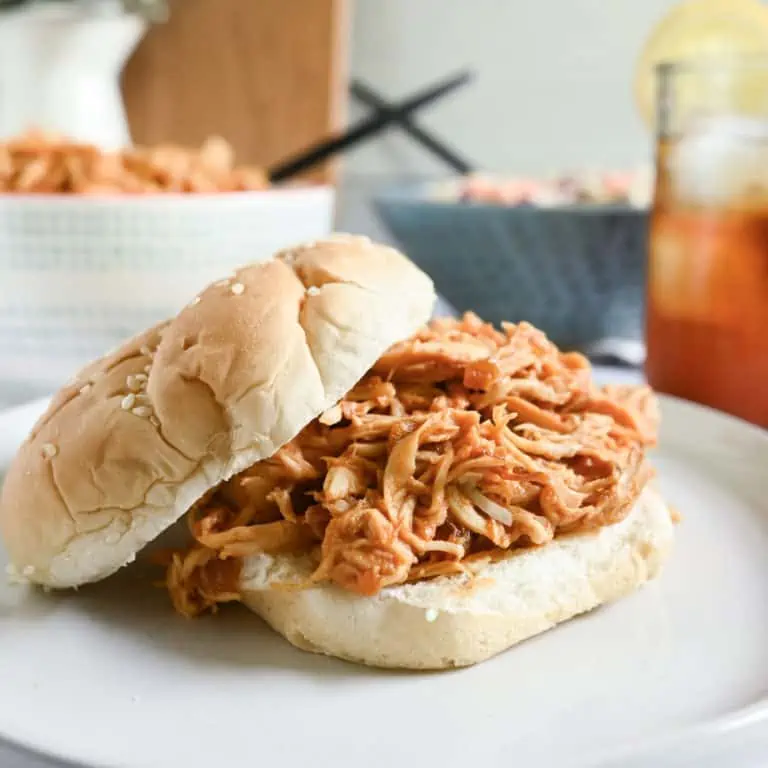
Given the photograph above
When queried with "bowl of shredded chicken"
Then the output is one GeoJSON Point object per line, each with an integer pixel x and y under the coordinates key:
{"type": "Point", "coordinates": [95, 246]}
{"type": "Point", "coordinates": [461, 444]}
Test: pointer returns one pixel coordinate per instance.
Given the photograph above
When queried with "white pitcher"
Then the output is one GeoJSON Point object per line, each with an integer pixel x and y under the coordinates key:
{"type": "Point", "coordinates": [60, 65]}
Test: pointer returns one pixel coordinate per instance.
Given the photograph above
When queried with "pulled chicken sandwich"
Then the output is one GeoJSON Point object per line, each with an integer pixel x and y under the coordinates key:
{"type": "Point", "coordinates": [377, 489]}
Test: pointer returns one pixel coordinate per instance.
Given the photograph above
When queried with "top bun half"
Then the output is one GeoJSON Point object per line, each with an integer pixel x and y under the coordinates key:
{"type": "Point", "coordinates": [140, 435]}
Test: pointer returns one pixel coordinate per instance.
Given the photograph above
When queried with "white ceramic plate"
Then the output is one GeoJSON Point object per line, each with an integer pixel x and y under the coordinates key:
{"type": "Point", "coordinates": [673, 675]}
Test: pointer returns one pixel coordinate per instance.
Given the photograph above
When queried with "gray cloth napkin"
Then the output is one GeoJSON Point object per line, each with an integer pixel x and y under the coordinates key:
{"type": "Point", "coordinates": [443, 308]}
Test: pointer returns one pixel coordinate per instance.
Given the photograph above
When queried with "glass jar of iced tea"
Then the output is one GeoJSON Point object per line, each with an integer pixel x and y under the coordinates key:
{"type": "Point", "coordinates": [707, 325]}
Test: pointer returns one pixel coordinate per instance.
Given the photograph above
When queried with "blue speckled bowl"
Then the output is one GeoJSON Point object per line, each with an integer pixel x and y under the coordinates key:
{"type": "Point", "coordinates": [578, 273]}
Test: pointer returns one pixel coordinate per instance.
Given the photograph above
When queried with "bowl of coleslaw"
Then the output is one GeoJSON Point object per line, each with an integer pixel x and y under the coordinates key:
{"type": "Point", "coordinates": [573, 267]}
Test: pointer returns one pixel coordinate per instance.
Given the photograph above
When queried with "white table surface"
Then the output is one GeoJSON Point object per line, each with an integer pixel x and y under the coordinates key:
{"type": "Point", "coordinates": [10, 757]}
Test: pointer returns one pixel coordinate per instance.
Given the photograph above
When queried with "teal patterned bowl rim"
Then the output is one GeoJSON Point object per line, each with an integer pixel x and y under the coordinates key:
{"type": "Point", "coordinates": [427, 193]}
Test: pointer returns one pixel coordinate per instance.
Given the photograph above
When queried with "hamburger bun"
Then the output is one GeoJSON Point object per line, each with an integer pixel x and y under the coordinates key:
{"type": "Point", "coordinates": [139, 436]}
{"type": "Point", "coordinates": [461, 620]}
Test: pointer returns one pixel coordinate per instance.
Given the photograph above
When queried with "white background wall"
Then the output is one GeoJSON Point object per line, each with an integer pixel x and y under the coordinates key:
{"type": "Point", "coordinates": [553, 86]}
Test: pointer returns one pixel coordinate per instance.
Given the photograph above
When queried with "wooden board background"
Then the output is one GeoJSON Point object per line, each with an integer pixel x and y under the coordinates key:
{"type": "Point", "coordinates": [268, 75]}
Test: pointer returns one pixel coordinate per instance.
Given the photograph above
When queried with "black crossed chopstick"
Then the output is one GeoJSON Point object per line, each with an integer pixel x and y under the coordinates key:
{"type": "Point", "coordinates": [369, 97]}
{"type": "Point", "coordinates": [385, 115]}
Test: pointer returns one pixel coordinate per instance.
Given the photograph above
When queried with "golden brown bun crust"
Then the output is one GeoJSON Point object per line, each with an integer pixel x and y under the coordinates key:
{"type": "Point", "coordinates": [139, 436]}
{"type": "Point", "coordinates": [450, 622]}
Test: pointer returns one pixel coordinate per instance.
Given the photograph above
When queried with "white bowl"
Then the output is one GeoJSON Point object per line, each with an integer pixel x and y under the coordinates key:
{"type": "Point", "coordinates": [80, 275]}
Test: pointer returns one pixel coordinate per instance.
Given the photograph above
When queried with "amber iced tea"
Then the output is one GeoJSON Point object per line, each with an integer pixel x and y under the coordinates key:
{"type": "Point", "coordinates": [708, 272]}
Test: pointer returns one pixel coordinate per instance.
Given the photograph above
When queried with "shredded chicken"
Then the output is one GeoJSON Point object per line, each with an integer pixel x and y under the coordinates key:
{"type": "Point", "coordinates": [461, 443]}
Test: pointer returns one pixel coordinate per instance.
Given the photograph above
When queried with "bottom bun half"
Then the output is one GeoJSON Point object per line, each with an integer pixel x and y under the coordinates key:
{"type": "Point", "coordinates": [460, 620]}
